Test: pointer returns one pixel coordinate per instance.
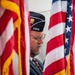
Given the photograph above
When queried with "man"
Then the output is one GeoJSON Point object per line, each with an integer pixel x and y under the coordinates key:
{"type": "Point", "coordinates": [37, 25]}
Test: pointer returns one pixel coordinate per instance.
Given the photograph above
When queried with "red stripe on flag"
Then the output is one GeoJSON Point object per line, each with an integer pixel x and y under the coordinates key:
{"type": "Point", "coordinates": [52, 45]}
{"type": "Point", "coordinates": [57, 18]}
{"type": "Point", "coordinates": [72, 63]}
{"type": "Point", "coordinates": [4, 20]}
{"type": "Point", "coordinates": [16, 40]}
{"type": "Point", "coordinates": [23, 39]}
{"type": "Point", "coordinates": [53, 69]}
{"type": "Point", "coordinates": [8, 49]}
{"type": "Point", "coordinates": [23, 43]}
{"type": "Point", "coordinates": [7, 52]}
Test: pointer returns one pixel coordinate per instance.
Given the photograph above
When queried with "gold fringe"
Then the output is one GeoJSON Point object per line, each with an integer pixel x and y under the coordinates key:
{"type": "Point", "coordinates": [68, 65]}
{"type": "Point", "coordinates": [19, 52]}
{"type": "Point", "coordinates": [61, 73]}
{"type": "Point", "coordinates": [6, 65]}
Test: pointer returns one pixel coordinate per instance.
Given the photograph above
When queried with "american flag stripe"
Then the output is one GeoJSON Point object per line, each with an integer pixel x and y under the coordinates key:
{"type": "Point", "coordinates": [58, 20]}
{"type": "Point", "coordinates": [54, 52]}
{"type": "Point", "coordinates": [27, 35]}
{"type": "Point", "coordinates": [23, 41]}
{"type": "Point", "coordinates": [55, 61]}
{"type": "Point", "coordinates": [72, 46]}
{"type": "Point", "coordinates": [2, 11]}
{"type": "Point", "coordinates": [73, 64]}
{"type": "Point", "coordinates": [56, 27]}
{"type": "Point", "coordinates": [7, 50]}
{"type": "Point", "coordinates": [4, 31]}
{"type": "Point", "coordinates": [15, 64]}
{"type": "Point", "coordinates": [56, 69]}
{"type": "Point", "coordinates": [6, 40]}
{"type": "Point", "coordinates": [3, 39]}
{"type": "Point", "coordinates": [15, 61]}
{"type": "Point", "coordinates": [74, 57]}
{"type": "Point", "coordinates": [55, 45]}
{"type": "Point", "coordinates": [73, 61]}
{"type": "Point", "coordinates": [4, 24]}
{"type": "Point", "coordinates": [57, 3]}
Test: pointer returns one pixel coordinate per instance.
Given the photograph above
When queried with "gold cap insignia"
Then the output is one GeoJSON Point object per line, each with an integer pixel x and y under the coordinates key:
{"type": "Point", "coordinates": [32, 21]}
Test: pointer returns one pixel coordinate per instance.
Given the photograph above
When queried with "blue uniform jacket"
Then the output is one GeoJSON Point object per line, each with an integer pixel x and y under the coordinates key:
{"type": "Point", "coordinates": [34, 70]}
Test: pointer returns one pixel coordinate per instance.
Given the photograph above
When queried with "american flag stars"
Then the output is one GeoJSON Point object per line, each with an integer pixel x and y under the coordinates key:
{"type": "Point", "coordinates": [68, 27]}
{"type": "Point", "coordinates": [70, 18]}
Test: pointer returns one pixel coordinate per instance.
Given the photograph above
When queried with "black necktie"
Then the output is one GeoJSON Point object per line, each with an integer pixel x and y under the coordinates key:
{"type": "Point", "coordinates": [37, 64]}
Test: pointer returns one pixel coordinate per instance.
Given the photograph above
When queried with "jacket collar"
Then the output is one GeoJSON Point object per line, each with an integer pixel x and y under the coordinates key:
{"type": "Point", "coordinates": [32, 65]}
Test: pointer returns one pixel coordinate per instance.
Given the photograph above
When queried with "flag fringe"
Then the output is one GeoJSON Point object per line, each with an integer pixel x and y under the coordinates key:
{"type": "Point", "coordinates": [62, 72]}
{"type": "Point", "coordinates": [19, 51]}
{"type": "Point", "coordinates": [6, 65]}
{"type": "Point", "coordinates": [68, 65]}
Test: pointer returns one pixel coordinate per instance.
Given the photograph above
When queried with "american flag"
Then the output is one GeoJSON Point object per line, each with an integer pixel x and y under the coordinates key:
{"type": "Point", "coordinates": [68, 31]}
{"type": "Point", "coordinates": [57, 60]}
{"type": "Point", "coordinates": [25, 35]}
{"type": "Point", "coordinates": [6, 39]}
{"type": "Point", "coordinates": [14, 37]}
{"type": "Point", "coordinates": [68, 27]}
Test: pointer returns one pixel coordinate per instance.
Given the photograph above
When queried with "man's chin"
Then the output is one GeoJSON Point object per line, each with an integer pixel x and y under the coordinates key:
{"type": "Point", "coordinates": [37, 53]}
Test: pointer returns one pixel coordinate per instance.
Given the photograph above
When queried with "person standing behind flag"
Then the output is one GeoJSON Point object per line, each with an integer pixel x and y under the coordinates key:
{"type": "Point", "coordinates": [36, 40]}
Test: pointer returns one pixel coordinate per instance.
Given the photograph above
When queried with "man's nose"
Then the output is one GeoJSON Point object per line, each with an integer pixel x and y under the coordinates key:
{"type": "Point", "coordinates": [40, 41]}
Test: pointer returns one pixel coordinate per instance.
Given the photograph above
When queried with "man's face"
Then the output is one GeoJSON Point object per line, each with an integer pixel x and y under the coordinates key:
{"type": "Point", "coordinates": [35, 42]}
